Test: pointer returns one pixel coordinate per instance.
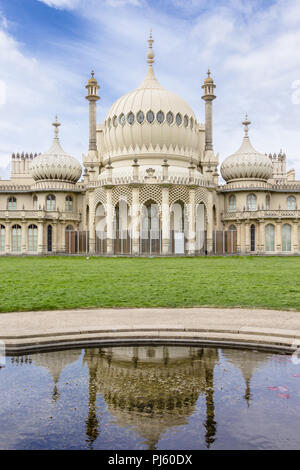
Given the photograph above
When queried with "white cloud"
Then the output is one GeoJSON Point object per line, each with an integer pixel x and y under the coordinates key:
{"type": "Point", "coordinates": [31, 93]}
{"type": "Point", "coordinates": [251, 50]}
{"type": "Point", "coordinates": [2, 92]}
{"type": "Point", "coordinates": [73, 4]}
{"type": "Point", "coordinates": [62, 4]}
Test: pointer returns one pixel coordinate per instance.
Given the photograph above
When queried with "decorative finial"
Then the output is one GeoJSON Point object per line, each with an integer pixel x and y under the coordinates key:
{"type": "Point", "coordinates": [246, 123]}
{"type": "Point", "coordinates": [150, 54]}
{"type": "Point", "coordinates": [92, 73]}
{"type": "Point", "coordinates": [208, 73]}
{"type": "Point", "coordinates": [56, 125]}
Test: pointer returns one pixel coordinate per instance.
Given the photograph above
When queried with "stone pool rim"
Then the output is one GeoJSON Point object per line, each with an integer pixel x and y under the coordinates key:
{"type": "Point", "coordinates": [274, 330]}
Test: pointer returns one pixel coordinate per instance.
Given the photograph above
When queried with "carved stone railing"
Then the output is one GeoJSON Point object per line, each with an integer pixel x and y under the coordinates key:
{"type": "Point", "coordinates": [182, 180]}
{"type": "Point", "coordinates": [40, 214]}
{"type": "Point", "coordinates": [46, 186]}
{"type": "Point", "coordinates": [15, 187]}
{"type": "Point", "coordinates": [260, 214]}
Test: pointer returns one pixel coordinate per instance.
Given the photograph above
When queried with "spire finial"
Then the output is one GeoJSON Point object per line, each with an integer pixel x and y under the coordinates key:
{"type": "Point", "coordinates": [92, 73]}
{"type": "Point", "coordinates": [150, 54]}
{"type": "Point", "coordinates": [56, 125]}
{"type": "Point", "coordinates": [246, 123]}
{"type": "Point", "coordinates": [208, 73]}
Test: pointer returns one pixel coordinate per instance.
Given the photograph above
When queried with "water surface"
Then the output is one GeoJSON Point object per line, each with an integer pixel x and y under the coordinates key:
{"type": "Point", "coordinates": [150, 397]}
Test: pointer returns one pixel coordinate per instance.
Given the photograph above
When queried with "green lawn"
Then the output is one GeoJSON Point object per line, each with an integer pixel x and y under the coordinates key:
{"type": "Point", "coordinates": [63, 282]}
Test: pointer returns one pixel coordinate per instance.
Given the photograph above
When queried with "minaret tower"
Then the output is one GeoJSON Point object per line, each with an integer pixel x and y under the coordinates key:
{"type": "Point", "coordinates": [208, 97]}
{"type": "Point", "coordinates": [92, 97]}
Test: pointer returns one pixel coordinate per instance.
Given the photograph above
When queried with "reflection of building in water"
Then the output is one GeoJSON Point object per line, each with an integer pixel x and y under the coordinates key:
{"type": "Point", "coordinates": [151, 388]}
{"type": "Point", "coordinates": [247, 361]}
{"type": "Point", "coordinates": [55, 362]}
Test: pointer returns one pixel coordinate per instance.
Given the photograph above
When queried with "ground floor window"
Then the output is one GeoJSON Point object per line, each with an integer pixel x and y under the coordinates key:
{"type": "Point", "coordinates": [32, 238]}
{"type": "Point", "coordinates": [49, 238]}
{"type": "Point", "coordinates": [2, 238]}
{"type": "Point", "coordinates": [16, 238]}
{"type": "Point", "coordinates": [252, 233]}
{"type": "Point", "coordinates": [270, 237]}
{"type": "Point", "coordinates": [286, 237]}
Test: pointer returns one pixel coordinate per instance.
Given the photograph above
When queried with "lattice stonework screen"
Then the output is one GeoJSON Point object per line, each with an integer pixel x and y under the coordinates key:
{"type": "Point", "coordinates": [123, 193]}
{"type": "Point", "coordinates": [151, 193]}
{"type": "Point", "coordinates": [100, 196]}
{"type": "Point", "coordinates": [201, 196]}
{"type": "Point", "coordinates": [178, 193]}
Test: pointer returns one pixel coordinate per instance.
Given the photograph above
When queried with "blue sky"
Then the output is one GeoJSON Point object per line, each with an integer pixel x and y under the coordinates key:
{"type": "Point", "coordinates": [48, 47]}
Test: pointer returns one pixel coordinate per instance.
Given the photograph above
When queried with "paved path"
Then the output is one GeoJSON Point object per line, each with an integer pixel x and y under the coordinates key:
{"type": "Point", "coordinates": [265, 328]}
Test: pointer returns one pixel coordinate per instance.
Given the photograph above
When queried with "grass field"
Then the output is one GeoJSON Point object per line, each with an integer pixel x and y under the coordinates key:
{"type": "Point", "coordinates": [62, 282]}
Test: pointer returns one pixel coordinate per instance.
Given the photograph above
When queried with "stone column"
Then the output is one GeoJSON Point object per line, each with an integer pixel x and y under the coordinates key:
{"type": "Point", "coordinates": [247, 237]}
{"type": "Point", "coordinates": [238, 237]}
{"type": "Point", "coordinates": [91, 222]}
{"type": "Point", "coordinates": [261, 247]}
{"type": "Point", "coordinates": [135, 222]}
{"type": "Point", "coordinates": [242, 242]}
{"type": "Point", "coordinates": [278, 236]}
{"type": "Point", "coordinates": [24, 237]}
{"type": "Point", "coordinates": [40, 238]}
{"type": "Point", "coordinates": [210, 224]}
{"type": "Point", "coordinates": [192, 223]}
{"type": "Point", "coordinates": [54, 237]}
{"type": "Point", "coordinates": [165, 221]}
{"type": "Point", "coordinates": [109, 221]}
{"type": "Point", "coordinates": [7, 237]}
{"type": "Point", "coordinates": [294, 236]}
{"type": "Point", "coordinates": [63, 237]}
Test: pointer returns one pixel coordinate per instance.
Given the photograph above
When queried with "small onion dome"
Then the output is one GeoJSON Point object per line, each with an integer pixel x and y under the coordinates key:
{"type": "Point", "coordinates": [246, 163]}
{"type": "Point", "coordinates": [92, 80]}
{"type": "Point", "coordinates": [55, 164]}
{"type": "Point", "coordinates": [208, 78]}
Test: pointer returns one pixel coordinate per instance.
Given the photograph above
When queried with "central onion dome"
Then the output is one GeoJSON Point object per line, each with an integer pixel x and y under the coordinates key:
{"type": "Point", "coordinates": [55, 165]}
{"type": "Point", "coordinates": [246, 163]}
{"type": "Point", "coordinates": [150, 121]}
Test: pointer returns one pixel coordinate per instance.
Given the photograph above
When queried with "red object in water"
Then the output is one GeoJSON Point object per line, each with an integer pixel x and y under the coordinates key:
{"type": "Point", "coordinates": [273, 388]}
{"type": "Point", "coordinates": [296, 375]}
{"type": "Point", "coordinates": [283, 395]}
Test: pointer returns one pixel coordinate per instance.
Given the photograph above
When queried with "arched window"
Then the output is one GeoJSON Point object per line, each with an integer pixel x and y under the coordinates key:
{"type": "Point", "coordinates": [286, 237]}
{"type": "Point", "coordinates": [251, 202]}
{"type": "Point", "coordinates": [100, 219]}
{"type": "Point", "coordinates": [232, 203]}
{"type": "Point", "coordinates": [12, 204]}
{"type": "Point", "coordinates": [35, 203]}
{"type": "Point", "coordinates": [121, 218]}
{"type": "Point", "coordinates": [150, 217]}
{"type": "Point", "coordinates": [291, 203]}
{"type": "Point", "coordinates": [177, 217]}
{"type": "Point", "coordinates": [49, 238]}
{"type": "Point", "coordinates": [32, 238]}
{"type": "Point", "coordinates": [232, 228]}
{"type": "Point", "coordinates": [69, 228]}
{"type": "Point", "coordinates": [270, 237]}
{"type": "Point", "coordinates": [69, 204]}
{"type": "Point", "coordinates": [50, 202]}
{"type": "Point", "coordinates": [16, 238]}
{"type": "Point", "coordinates": [252, 237]}
{"type": "Point", "coordinates": [2, 238]}
{"type": "Point", "coordinates": [268, 202]}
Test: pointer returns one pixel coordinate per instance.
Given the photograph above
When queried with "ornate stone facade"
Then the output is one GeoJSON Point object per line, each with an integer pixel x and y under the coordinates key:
{"type": "Point", "coordinates": [150, 186]}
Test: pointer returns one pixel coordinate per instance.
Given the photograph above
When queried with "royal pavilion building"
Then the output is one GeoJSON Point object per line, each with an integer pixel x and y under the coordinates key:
{"type": "Point", "coordinates": [150, 186]}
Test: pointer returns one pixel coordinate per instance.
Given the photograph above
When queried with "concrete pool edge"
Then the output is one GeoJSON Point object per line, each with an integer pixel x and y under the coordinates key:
{"type": "Point", "coordinates": [246, 328]}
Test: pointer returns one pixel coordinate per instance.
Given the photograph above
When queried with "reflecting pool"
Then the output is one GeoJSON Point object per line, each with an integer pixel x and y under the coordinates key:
{"type": "Point", "coordinates": [150, 397]}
